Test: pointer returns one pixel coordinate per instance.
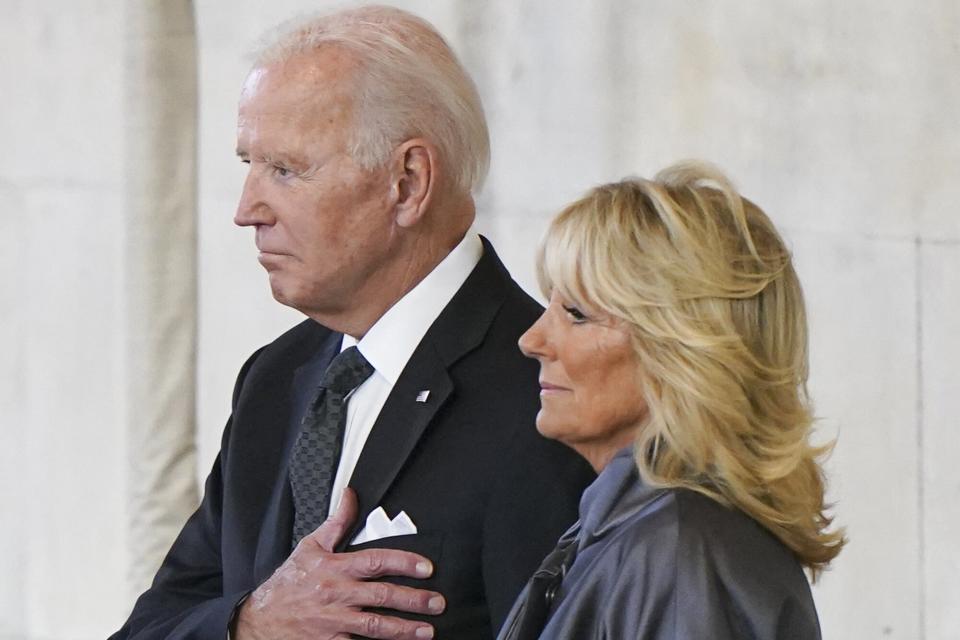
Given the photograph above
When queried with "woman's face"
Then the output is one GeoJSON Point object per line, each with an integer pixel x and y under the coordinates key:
{"type": "Point", "coordinates": [590, 392]}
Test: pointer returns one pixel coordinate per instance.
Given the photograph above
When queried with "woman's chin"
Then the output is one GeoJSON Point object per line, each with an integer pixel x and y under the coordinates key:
{"type": "Point", "coordinates": [548, 428]}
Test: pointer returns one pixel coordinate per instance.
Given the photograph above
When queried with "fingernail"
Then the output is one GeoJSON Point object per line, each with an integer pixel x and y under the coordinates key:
{"type": "Point", "coordinates": [436, 604]}
{"type": "Point", "coordinates": [424, 568]}
{"type": "Point", "coordinates": [425, 632]}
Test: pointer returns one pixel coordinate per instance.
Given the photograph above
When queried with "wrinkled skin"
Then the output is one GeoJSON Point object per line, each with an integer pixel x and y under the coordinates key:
{"type": "Point", "coordinates": [319, 594]}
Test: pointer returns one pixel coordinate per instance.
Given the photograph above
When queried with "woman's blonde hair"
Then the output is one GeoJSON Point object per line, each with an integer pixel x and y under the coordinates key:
{"type": "Point", "coordinates": [708, 288]}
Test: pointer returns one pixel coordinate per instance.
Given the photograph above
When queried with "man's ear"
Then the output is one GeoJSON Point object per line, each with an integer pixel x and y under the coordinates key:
{"type": "Point", "coordinates": [415, 180]}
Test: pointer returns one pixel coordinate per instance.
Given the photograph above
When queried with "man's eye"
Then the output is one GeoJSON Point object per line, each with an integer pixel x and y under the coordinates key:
{"type": "Point", "coordinates": [575, 314]}
{"type": "Point", "coordinates": [282, 172]}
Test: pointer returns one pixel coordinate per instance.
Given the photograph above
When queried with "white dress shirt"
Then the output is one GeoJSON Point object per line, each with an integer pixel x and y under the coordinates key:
{"type": "Point", "coordinates": [389, 344]}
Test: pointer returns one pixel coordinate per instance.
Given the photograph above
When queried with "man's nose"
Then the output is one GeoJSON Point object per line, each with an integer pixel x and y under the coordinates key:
{"type": "Point", "coordinates": [251, 210]}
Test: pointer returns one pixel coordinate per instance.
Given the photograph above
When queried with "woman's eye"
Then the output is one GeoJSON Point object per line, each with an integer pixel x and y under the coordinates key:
{"type": "Point", "coordinates": [575, 314]}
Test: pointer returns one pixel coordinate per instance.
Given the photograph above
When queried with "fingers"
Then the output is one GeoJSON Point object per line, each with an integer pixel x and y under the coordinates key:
{"type": "Point", "coordinates": [372, 625]}
{"type": "Point", "coordinates": [376, 563]}
{"type": "Point", "coordinates": [328, 534]}
{"type": "Point", "coordinates": [384, 595]}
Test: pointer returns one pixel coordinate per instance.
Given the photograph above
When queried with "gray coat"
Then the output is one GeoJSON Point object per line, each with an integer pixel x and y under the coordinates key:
{"type": "Point", "coordinates": [663, 564]}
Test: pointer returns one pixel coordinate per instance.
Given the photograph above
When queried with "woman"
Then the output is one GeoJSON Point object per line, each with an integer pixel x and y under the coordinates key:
{"type": "Point", "coordinates": [673, 357]}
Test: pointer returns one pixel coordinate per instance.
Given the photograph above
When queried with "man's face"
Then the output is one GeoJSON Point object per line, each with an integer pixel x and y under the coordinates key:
{"type": "Point", "coordinates": [323, 224]}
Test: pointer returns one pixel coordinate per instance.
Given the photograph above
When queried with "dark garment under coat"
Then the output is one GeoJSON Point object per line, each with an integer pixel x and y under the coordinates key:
{"type": "Point", "coordinates": [672, 564]}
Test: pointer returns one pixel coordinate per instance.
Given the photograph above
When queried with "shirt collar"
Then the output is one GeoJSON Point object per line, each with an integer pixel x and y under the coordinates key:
{"type": "Point", "coordinates": [391, 341]}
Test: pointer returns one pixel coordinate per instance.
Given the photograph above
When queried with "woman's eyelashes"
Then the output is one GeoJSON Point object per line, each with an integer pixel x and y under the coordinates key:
{"type": "Point", "coordinates": [575, 314]}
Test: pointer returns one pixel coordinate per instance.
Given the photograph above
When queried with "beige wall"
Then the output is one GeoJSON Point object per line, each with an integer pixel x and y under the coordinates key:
{"type": "Point", "coordinates": [841, 119]}
{"type": "Point", "coordinates": [62, 438]}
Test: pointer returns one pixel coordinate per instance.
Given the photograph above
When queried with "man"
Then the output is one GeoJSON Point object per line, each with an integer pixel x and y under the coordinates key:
{"type": "Point", "coordinates": [365, 139]}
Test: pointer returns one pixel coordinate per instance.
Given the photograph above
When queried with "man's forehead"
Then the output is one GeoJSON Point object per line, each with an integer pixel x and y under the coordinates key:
{"type": "Point", "coordinates": [291, 105]}
{"type": "Point", "coordinates": [327, 67]}
{"type": "Point", "coordinates": [301, 96]}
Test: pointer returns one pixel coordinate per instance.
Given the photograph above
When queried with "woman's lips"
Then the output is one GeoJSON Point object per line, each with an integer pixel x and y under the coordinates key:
{"type": "Point", "coordinates": [548, 388]}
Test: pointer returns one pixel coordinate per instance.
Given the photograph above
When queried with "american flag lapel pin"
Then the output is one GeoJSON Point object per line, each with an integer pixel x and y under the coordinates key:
{"type": "Point", "coordinates": [423, 395]}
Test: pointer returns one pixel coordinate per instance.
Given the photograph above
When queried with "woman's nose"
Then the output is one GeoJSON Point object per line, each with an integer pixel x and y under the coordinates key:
{"type": "Point", "coordinates": [532, 341]}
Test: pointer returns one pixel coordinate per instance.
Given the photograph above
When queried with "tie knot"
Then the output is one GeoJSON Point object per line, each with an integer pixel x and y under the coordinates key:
{"type": "Point", "coordinates": [346, 372]}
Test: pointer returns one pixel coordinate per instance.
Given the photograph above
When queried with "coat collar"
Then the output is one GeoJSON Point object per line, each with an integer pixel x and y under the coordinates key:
{"type": "Point", "coordinates": [459, 329]}
{"type": "Point", "coordinates": [616, 495]}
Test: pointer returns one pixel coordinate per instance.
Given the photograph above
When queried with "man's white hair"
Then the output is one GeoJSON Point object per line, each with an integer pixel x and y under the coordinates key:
{"type": "Point", "coordinates": [411, 85]}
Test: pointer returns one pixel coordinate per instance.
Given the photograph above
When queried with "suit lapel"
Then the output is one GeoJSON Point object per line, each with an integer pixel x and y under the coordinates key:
{"type": "Point", "coordinates": [276, 534]}
{"type": "Point", "coordinates": [403, 420]}
{"type": "Point", "coordinates": [400, 425]}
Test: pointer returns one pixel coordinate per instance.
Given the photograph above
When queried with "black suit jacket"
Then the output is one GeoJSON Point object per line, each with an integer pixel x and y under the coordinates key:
{"type": "Point", "coordinates": [489, 495]}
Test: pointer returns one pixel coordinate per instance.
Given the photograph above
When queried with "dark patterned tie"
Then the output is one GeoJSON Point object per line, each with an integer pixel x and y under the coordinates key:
{"type": "Point", "coordinates": [543, 589]}
{"type": "Point", "coordinates": [316, 454]}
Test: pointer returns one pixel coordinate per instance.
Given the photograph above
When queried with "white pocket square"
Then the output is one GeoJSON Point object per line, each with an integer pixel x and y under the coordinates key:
{"type": "Point", "coordinates": [380, 526]}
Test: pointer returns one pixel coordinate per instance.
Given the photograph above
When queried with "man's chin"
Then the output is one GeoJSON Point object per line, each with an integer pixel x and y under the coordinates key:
{"type": "Point", "coordinates": [282, 292]}
{"type": "Point", "coordinates": [290, 296]}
